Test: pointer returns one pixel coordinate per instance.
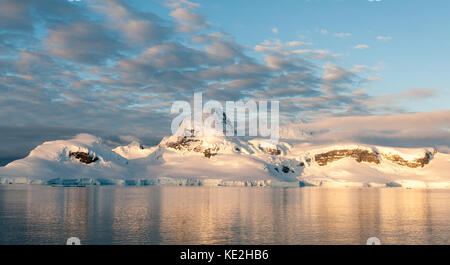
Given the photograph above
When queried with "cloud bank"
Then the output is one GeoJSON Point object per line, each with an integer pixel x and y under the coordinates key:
{"type": "Point", "coordinates": [402, 130]}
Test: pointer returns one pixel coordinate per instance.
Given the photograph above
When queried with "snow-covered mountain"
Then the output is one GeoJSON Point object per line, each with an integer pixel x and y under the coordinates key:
{"type": "Point", "coordinates": [228, 161]}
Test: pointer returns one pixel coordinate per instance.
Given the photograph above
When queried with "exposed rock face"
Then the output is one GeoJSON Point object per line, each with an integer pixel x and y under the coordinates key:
{"type": "Point", "coordinates": [271, 151]}
{"type": "Point", "coordinates": [418, 162]}
{"type": "Point", "coordinates": [358, 154]}
{"type": "Point", "coordinates": [189, 143]}
{"type": "Point", "coordinates": [209, 152]}
{"type": "Point", "coordinates": [371, 157]}
{"type": "Point", "coordinates": [183, 143]}
{"type": "Point", "coordinates": [83, 157]}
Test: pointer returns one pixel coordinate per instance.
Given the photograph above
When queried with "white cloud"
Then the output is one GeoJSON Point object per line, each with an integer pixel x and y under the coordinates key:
{"type": "Point", "coordinates": [373, 78]}
{"type": "Point", "coordinates": [275, 30]}
{"type": "Point", "coordinates": [278, 46]}
{"type": "Point", "coordinates": [359, 68]}
{"type": "Point", "coordinates": [297, 43]}
{"type": "Point", "coordinates": [181, 3]}
{"type": "Point", "coordinates": [342, 34]}
{"type": "Point", "coordinates": [361, 46]}
{"type": "Point", "coordinates": [137, 27]}
{"type": "Point", "coordinates": [384, 38]}
{"type": "Point", "coordinates": [189, 21]}
{"type": "Point", "coordinates": [334, 73]}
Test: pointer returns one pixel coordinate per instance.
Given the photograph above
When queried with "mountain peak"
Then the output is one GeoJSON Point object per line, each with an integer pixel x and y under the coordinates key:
{"type": "Point", "coordinates": [206, 127]}
{"type": "Point", "coordinates": [232, 159]}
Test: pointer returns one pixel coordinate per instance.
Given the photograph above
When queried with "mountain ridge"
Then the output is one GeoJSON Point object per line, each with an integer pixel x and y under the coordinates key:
{"type": "Point", "coordinates": [228, 161]}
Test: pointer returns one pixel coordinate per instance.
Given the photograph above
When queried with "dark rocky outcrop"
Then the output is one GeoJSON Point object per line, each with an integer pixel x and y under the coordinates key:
{"type": "Point", "coordinates": [358, 154]}
{"type": "Point", "coordinates": [208, 153]}
{"type": "Point", "coordinates": [271, 151]}
{"type": "Point", "coordinates": [190, 143]}
{"type": "Point", "coordinates": [284, 169]}
{"type": "Point", "coordinates": [83, 157]}
{"type": "Point", "coordinates": [182, 143]}
{"type": "Point", "coordinates": [371, 157]}
{"type": "Point", "coordinates": [418, 162]}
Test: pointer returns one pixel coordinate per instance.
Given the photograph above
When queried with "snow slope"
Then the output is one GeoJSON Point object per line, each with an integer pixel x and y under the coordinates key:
{"type": "Point", "coordinates": [226, 161]}
{"type": "Point", "coordinates": [52, 160]}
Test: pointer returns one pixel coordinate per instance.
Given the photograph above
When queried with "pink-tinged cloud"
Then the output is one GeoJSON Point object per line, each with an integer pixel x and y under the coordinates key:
{"type": "Point", "coordinates": [410, 129]}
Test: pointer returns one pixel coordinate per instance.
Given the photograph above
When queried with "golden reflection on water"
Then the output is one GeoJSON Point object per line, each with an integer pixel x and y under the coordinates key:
{"type": "Point", "coordinates": [226, 215]}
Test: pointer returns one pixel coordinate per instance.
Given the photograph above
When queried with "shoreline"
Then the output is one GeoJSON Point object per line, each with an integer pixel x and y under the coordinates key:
{"type": "Point", "coordinates": [204, 182]}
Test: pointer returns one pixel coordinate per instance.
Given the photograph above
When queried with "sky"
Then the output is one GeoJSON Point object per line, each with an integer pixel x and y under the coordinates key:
{"type": "Point", "coordinates": [113, 68]}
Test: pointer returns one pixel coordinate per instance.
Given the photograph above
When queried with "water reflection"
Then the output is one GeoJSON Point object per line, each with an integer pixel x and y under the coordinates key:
{"type": "Point", "coordinates": [202, 215]}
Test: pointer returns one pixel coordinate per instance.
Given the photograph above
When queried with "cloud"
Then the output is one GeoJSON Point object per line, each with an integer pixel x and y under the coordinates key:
{"type": "Point", "coordinates": [223, 50]}
{"type": "Point", "coordinates": [185, 15]}
{"type": "Point", "coordinates": [394, 99]}
{"type": "Point", "coordinates": [20, 20]}
{"type": "Point", "coordinates": [334, 73]}
{"type": "Point", "coordinates": [274, 30]}
{"type": "Point", "coordinates": [137, 27]}
{"type": "Point", "coordinates": [210, 37]}
{"type": "Point", "coordinates": [404, 130]}
{"type": "Point", "coordinates": [361, 46]}
{"type": "Point", "coordinates": [83, 42]}
{"type": "Point", "coordinates": [181, 3]}
{"type": "Point", "coordinates": [360, 68]}
{"type": "Point", "coordinates": [165, 56]}
{"type": "Point", "coordinates": [15, 15]}
{"type": "Point", "coordinates": [188, 20]}
{"type": "Point", "coordinates": [290, 48]}
{"type": "Point", "coordinates": [316, 54]}
{"type": "Point", "coordinates": [342, 35]}
{"type": "Point", "coordinates": [384, 38]}
{"type": "Point", "coordinates": [107, 68]}
{"type": "Point", "coordinates": [373, 78]}
{"type": "Point", "coordinates": [297, 43]}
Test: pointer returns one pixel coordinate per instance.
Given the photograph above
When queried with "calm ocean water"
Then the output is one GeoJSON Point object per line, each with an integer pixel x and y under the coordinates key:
{"type": "Point", "coordinates": [222, 215]}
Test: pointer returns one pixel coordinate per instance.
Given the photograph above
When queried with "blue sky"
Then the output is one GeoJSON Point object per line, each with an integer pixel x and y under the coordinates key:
{"type": "Point", "coordinates": [115, 67]}
{"type": "Point", "coordinates": [416, 55]}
